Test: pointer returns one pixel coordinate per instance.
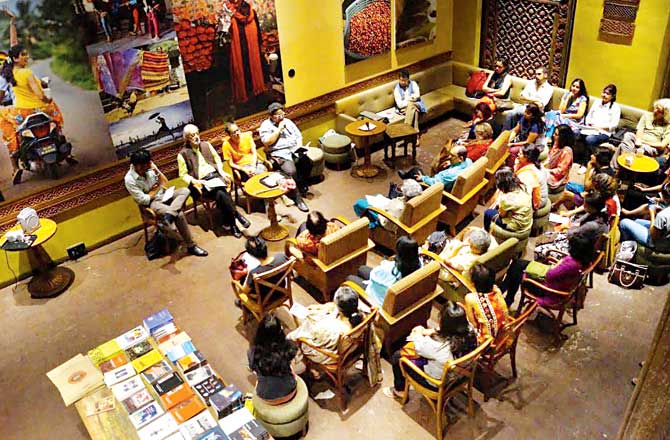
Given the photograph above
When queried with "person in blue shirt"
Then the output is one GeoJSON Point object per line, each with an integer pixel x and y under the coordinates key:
{"type": "Point", "coordinates": [407, 98]}
{"type": "Point", "coordinates": [459, 161]}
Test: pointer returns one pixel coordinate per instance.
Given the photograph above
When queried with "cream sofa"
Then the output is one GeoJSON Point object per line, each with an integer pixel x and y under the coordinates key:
{"type": "Point", "coordinates": [443, 90]}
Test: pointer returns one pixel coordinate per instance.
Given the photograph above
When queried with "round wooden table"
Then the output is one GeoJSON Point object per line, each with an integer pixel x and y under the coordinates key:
{"type": "Point", "coordinates": [48, 279]}
{"type": "Point", "coordinates": [255, 188]}
{"type": "Point", "coordinates": [638, 163]}
{"type": "Point", "coordinates": [357, 129]}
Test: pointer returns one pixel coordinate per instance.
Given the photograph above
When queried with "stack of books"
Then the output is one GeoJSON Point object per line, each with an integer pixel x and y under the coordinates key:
{"type": "Point", "coordinates": [168, 388]}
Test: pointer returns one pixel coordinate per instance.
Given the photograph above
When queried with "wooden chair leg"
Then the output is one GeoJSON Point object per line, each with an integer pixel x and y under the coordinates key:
{"type": "Point", "coordinates": [512, 358]}
{"type": "Point", "coordinates": [341, 392]}
{"type": "Point", "coordinates": [439, 417]}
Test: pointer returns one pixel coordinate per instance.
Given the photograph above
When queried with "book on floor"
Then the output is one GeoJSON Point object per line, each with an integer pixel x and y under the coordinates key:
{"type": "Point", "coordinates": [176, 396]}
{"type": "Point", "coordinates": [164, 331]}
{"type": "Point", "coordinates": [241, 425]}
{"type": "Point", "coordinates": [226, 401]}
{"type": "Point", "coordinates": [137, 400]}
{"type": "Point", "coordinates": [116, 361]}
{"type": "Point", "coordinates": [104, 352]}
{"type": "Point", "coordinates": [156, 371]}
{"type": "Point", "coordinates": [142, 363]}
{"type": "Point", "coordinates": [191, 361]}
{"type": "Point", "coordinates": [119, 374]}
{"type": "Point", "coordinates": [198, 425]}
{"type": "Point", "coordinates": [186, 409]}
{"type": "Point", "coordinates": [132, 337]}
{"type": "Point", "coordinates": [75, 378]}
{"type": "Point", "coordinates": [146, 414]}
{"type": "Point", "coordinates": [139, 350]}
{"type": "Point", "coordinates": [157, 320]}
{"type": "Point", "coordinates": [178, 352]}
{"type": "Point", "coordinates": [127, 388]}
{"type": "Point", "coordinates": [159, 428]}
{"type": "Point", "coordinates": [208, 387]}
{"type": "Point", "coordinates": [172, 341]}
{"type": "Point", "coordinates": [167, 383]}
{"type": "Point", "coordinates": [214, 434]}
{"type": "Point", "coordinates": [199, 374]}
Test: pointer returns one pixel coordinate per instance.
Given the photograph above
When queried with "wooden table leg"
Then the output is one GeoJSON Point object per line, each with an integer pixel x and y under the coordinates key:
{"type": "Point", "coordinates": [367, 169]}
{"type": "Point", "coordinates": [48, 279]}
{"type": "Point", "coordinates": [275, 231]}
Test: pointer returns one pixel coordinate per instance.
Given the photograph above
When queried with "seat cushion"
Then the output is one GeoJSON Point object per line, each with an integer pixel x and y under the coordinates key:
{"type": "Point", "coordinates": [336, 144]}
{"type": "Point", "coordinates": [287, 412]}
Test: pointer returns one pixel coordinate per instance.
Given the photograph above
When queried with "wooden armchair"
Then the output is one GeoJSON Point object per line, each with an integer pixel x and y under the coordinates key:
{"type": "Point", "coordinates": [461, 201]}
{"type": "Point", "coordinates": [351, 347]}
{"type": "Point", "coordinates": [497, 156]}
{"type": "Point", "coordinates": [270, 291]}
{"type": "Point", "coordinates": [149, 219]}
{"type": "Point", "coordinates": [340, 254]}
{"type": "Point", "coordinates": [456, 291]}
{"type": "Point", "coordinates": [240, 177]}
{"type": "Point", "coordinates": [418, 219]}
{"type": "Point", "coordinates": [208, 204]}
{"type": "Point", "coordinates": [532, 290]}
{"type": "Point", "coordinates": [505, 344]}
{"type": "Point", "coordinates": [407, 304]}
{"type": "Point", "coordinates": [458, 376]}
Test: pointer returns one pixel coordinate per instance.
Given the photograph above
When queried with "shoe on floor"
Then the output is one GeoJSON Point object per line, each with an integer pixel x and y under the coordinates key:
{"type": "Point", "coordinates": [391, 393]}
{"type": "Point", "coordinates": [243, 220]}
{"type": "Point", "coordinates": [71, 160]}
{"type": "Point", "coordinates": [197, 251]}
{"type": "Point", "coordinates": [16, 178]}
{"type": "Point", "coordinates": [236, 231]}
{"type": "Point", "coordinates": [302, 205]}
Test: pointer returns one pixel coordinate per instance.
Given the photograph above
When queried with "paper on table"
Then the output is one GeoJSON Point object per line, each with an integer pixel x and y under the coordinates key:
{"type": "Point", "coordinates": [75, 378]}
{"type": "Point", "coordinates": [559, 219]}
{"type": "Point", "coordinates": [168, 194]}
{"type": "Point", "coordinates": [299, 311]}
{"type": "Point", "coordinates": [368, 126]}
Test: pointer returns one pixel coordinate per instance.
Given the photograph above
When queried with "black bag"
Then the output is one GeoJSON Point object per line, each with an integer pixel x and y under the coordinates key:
{"type": "Point", "coordinates": [624, 273]}
{"type": "Point", "coordinates": [618, 135]}
{"type": "Point", "coordinates": [155, 247]}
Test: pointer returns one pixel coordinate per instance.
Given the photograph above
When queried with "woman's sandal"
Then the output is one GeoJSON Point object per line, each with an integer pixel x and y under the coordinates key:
{"type": "Point", "coordinates": [391, 393]}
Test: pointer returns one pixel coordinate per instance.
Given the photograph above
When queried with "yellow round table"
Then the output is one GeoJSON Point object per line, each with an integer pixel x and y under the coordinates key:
{"type": "Point", "coordinates": [359, 129]}
{"type": "Point", "coordinates": [255, 188]}
{"type": "Point", "coordinates": [48, 279]}
{"type": "Point", "coordinates": [637, 163]}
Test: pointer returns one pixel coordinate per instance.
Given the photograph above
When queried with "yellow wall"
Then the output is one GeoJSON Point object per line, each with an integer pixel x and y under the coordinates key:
{"type": "Point", "coordinates": [311, 43]}
{"type": "Point", "coordinates": [310, 37]}
{"type": "Point", "coordinates": [467, 30]}
{"type": "Point", "coordinates": [637, 70]}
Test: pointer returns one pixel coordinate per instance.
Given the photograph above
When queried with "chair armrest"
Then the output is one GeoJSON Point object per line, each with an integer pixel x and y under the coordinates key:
{"type": "Point", "coordinates": [339, 261]}
{"type": "Point", "coordinates": [391, 320]}
{"type": "Point", "coordinates": [541, 286]}
{"type": "Point", "coordinates": [456, 274]}
{"type": "Point", "coordinates": [393, 220]}
{"type": "Point", "coordinates": [315, 348]}
{"type": "Point", "coordinates": [497, 165]}
{"type": "Point", "coordinates": [406, 363]}
{"type": "Point", "coordinates": [473, 192]}
{"type": "Point", "coordinates": [340, 219]}
{"type": "Point", "coordinates": [145, 211]}
{"type": "Point", "coordinates": [291, 249]}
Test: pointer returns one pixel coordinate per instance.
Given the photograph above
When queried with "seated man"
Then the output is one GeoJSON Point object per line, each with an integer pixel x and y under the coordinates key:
{"type": "Point", "coordinates": [461, 255]}
{"type": "Point", "coordinates": [316, 227]}
{"type": "Point", "coordinates": [653, 233]}
{"type": "Point", "coordinates": [538, 91]}
{"type": "Point", "coordinates": [457, 162]}
{"type": "Point", "coordinates": [147, 185]}
{"type": "Point", "coordinates": [394, 204]}
{"type": "Point", "coordinates": [200, 167]}
{"type": "Point", "coordinates": [408, 99]}
{"type": "Point", "coordinates": [653, 134]}
{"type": "Point", "coordinates": [284, 142]}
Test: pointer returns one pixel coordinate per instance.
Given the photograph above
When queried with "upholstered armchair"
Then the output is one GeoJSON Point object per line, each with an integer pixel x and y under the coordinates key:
{"type": "Point", "coordinates": [418, 219]}
{"type": "Point", "coordinates": [407, 304]}
{"type": "Point", "coordinates": [340, 254]}
{"type": "Point", "coordinates": [497, 155]}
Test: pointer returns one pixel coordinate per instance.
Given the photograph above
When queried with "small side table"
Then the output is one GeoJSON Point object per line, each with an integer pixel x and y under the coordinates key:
{"type": "Point", "coordinates": [353, 129]}
{"type": "Point", "coordinates": [48, 279]}
{"type": "Point", "coordinates": [637, 163]}
{"type": "Point", "coordinates": [402, 134]}
{"type": "Point", "coordinates": [255, 188]}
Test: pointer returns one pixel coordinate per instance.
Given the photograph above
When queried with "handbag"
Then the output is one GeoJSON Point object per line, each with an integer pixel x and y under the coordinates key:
{"type": "Point", "coordinates": [238, 267]}
{"type": "Point", "coordinates": [628, 275]}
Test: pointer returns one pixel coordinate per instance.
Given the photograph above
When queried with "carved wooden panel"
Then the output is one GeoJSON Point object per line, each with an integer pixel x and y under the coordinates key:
{"type": "Point", "coordinates": [528, 33]}
{"type": "Point", "coordinates": [618, 22]}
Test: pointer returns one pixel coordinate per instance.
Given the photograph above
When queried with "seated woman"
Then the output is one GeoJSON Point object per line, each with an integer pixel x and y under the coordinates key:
{"type": "Point", "coordinates": [529, 130]}
{"type": "Point", "coordinates": [481, 113]}
{"type": "Point", "coordinates": [607, 187]}
{"type": "Point", "coordinates": [559, 158]}
{"type": "Point", "coordinates": [571, 111]}
{"type": "Point", "coordinates": [377, 281]}
{"type": "Point", "coordinates": [636, 200]}
{"type": "Point", "coordinates": [461, 254]}
{"type": "Point", "coordinates": [430, 349]}
{"type": "Point", "coordinates": [602, 120]}
{"type": "Point", "coordinates": [563, 275]}
{"type": "Point", "coordinates": [599, 163]}
{"type": "Point", "coordinates": [486, 309]}
{"type": "Point", "coordinates": [258, 248]}
{"type": "Point", "coordinates": [270, 358]}
{"type": "Point", "coordinates": [394, 204]}
{"type": "Point", "coordinates": [240, 151]}
{"type": "Point", "coordinates": [533, 175]}
{"type": "Point", "coordinates": [513, 208]}
{"type": "Point", "coordinates": [316, 227]}
{"type": "Point", "coordinates": [478, 146]}
{"type": "Point", "coordinates": [595, 220]}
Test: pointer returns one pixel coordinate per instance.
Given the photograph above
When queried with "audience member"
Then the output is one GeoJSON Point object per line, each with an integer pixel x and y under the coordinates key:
{"type": "Point", "coordinates": [499, 84]}
{"type": "Point", "coordinates": [270, 358]}
{"type": "Point", "coordinates": [377, 281]}
{"type": "Point", "coordinates": [532, 175]}
{"type": "Point", "coordinates": [316, 227]}
{"type": "Point", "coordinates": [513, 208]}
{"type": "Point", "coordinates": [481, 113]}
{"type": "Point", "coordinates": [284, 142]}
{"type": "Point", "coordinates": [456, 163]}
{"type": "Point", "coordinates": [393, 205]}
{"type": "Point", "coordinates": [638, 195]}
{"type": "Point", "coordinates": [652, 136]}
{"type": "Point", "coordinates": [559, 158]}
{"type": "Point", "coordinates": [431, 349]}
{"type": "Point", "coordinates": [258, 248]}
{"type": "Point", "coordinates": [147, 185]}
{"type": "Point", "coordinates": [572, 109]}
{"type": "Point", "coordinates": [462, 254]}
{"type": "Point", "coordinates": [562, 276]}
{"type": "Point", "coordinates": [528, 131]}
{"type": "Point", "coordinates": [240, 151]}
{"type": "Point", "coordinates": [408, 99]}
{"type": "Point", "coordinates": [655, 232]}
{"type": "Point", "coordinates": [478, 146]}
{"type": "Point", "coordinates": [602, 120]}
{"type": "Point", "coordinates": [201, 169]}
{"type": "Point", "coordinates": [599, 163]}
{"type": "Point", "coordinates": [538, 92]}
{"type": "Point", "coordinates": [485, 308]}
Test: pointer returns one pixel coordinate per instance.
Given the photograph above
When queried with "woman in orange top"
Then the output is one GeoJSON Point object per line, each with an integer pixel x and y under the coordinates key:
{"type": "Point", "coordinates": [240, 151]}
{"type": "Point", "coordinates": [316, 228]}
{"type": "Point", "coordinates": [559, 159]}
{"type": "Point", "coordinates": [486, 310]}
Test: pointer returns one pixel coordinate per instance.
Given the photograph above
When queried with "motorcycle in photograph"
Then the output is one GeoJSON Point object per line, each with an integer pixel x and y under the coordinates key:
{"type": "Point", "coordinates": [42, 146]}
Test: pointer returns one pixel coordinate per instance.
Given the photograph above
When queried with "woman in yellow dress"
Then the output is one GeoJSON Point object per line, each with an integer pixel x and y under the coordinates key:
{"type": "Point", "coordinates": [240, 151]}
{"type": "Point", "coordinates": [29, 97]}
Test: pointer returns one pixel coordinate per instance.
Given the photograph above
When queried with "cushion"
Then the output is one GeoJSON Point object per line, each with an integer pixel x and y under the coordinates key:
{"type": "Point", "coordinates": [336, 144]}
{"type": "Point", "coordinates": [411, 289]}
{"type": "Point", "coordinates": [470, 178]}
{"type": "Point", "coordinates": [316, 154]}
{"type": "Point", "coordinates": [344, 241]}
{"type": "Point", "coordinates": [422, 205]}
{"type": "Point", "coordinates": [280, 417]}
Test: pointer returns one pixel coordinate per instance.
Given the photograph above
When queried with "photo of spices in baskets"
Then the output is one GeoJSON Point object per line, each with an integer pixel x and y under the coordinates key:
{"type": "Point", "coordinates": [113, 25]}
{"type": "Point", "coordinates": [416, 22]}
{"type": "Point", "coordinates": [367, 29]}
{"type": "Point", "coordinates": [232, 62]}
